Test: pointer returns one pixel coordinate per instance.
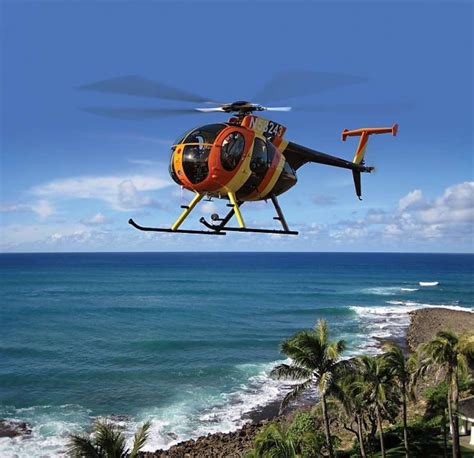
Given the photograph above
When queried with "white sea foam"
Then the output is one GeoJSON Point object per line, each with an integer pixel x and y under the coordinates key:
{"type": "Point", "coordinates": [387, 290]}
{"type": "Point", "coordinates": [390, 321]}
{"type": "Point", "coordinates": [50, 427]}
{"type": "Point", "coordinates": [229, 414]}
{"type": "Point", "coordinates": [171, 424]}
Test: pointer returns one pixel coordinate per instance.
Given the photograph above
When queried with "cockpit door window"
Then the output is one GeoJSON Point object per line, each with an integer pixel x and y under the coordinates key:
{"type": "Point", "coordinates": [232, 150]}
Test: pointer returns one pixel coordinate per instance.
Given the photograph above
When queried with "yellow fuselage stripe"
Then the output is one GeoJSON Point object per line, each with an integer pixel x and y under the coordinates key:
{"type": "Point", "coordinates": [240, 177]}
{"type": "Point", "coordinates": [276, 174]}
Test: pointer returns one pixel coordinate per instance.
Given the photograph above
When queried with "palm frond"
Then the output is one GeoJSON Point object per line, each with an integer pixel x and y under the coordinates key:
{"type": "Point", "coordinates": [273, 441]}
{"type": "Point", "coordinates": [82, 446]}
{"type": "Point", "coordinates": [294, 393]}
{"type": "Point", "coordinates": [109, 439]}
{"type": "Point", "coordinates": [466, 344]}
{"type": "Point", "coordinates": [140, 438]}
{"type": "Point", "coordinates": [304, 349]}
{"type": "Point", "coordinates": [291, 372]}
{"type": "Point", "coordinates": [334, 349]}
{"type": "Point", "coordinates": [324, 382]}
{"type": "Point", "coordinates": [322, 331]}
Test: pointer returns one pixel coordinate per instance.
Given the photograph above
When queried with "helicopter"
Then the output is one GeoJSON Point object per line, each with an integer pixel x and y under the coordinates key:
{"type": "Point", "coordinates": [242, 160]}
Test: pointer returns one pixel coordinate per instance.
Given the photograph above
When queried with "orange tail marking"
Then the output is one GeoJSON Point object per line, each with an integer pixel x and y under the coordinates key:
{"type": "Point", "coordinates": [364, 137]}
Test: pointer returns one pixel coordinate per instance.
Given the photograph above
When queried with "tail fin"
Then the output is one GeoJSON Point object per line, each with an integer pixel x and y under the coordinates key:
{"type": "Point", "coordinates": [361, 147]}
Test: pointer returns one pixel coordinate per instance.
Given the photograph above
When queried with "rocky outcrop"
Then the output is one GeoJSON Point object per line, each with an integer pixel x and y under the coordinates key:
{"type": "Point", "coordinates": [425, 323]}
{"type": "Point", "coordinates": [12, 428]}
{"type": "Point", "coordinates": [231, 445]}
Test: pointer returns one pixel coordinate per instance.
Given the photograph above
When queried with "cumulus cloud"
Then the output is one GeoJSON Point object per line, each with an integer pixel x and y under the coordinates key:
{"type": "Point", "coordinates": [97, 220]}
{"type": "Point", "coordinates": [449, 217]}
{"type": "Point", "coordinates": [456, 205]}
{"type": "Point", "coordinates": [121, 192]}
{"type": "Point", "coordinates": [410, 199]}
{"type": "Point", "coordinates": [42, 208]}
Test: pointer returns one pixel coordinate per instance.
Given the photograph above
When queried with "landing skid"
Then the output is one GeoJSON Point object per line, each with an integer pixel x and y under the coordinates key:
{"type": "Point", "coordinates": [173, 231]}
{"type": "Point", "coordinates": [221, 228]}
{"type": "Point", "coordinates": [246, 229]}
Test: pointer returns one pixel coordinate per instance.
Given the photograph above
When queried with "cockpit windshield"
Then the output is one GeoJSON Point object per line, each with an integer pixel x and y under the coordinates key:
{"type": "Point", "coordinates": [197, 146]}
{"type": "Point", "coordinates": [203, 134]}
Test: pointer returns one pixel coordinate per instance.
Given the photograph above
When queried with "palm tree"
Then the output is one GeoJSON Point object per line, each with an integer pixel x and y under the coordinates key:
{"type": "Point", "coordinates": [107, 442]}
{"type": "Point", "coordinates": [401, 369]}
{"type": "Point", "coordinates": [374, 387]}
{"type": "Point", "coordinates": [449, 352]}
{"type": "Point", "coordinates": [315, 361]}
{"type": "Point", "coordinates": [273, 441]}
{"type": "Point", "coordinates": [347, 391]}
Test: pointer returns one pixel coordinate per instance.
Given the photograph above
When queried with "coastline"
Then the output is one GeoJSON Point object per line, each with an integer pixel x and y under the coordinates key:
{"type": "Point", "coordinates": [424, 324]}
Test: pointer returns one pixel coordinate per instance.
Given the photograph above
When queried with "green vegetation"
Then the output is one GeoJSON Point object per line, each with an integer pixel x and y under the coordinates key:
{"type": "Point", "coordinates": [448, 353]}
{"type": "Point", "coordinates": [316, 363]}
{"type": "Point", "coordinates": [369, 397]}
{"type": "Point", "coordinates": [106, 441]}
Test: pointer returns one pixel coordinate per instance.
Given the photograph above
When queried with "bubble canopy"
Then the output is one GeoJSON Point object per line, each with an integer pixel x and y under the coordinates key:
{"type": "Point", "coordinates": [197, 146]}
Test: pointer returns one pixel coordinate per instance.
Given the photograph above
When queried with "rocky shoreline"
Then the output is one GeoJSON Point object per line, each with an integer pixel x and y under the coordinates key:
{"type": "Point", "coordinates": [424, 324]}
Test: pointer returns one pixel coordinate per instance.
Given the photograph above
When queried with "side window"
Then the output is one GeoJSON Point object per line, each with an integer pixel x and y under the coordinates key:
{"type": "Point", "coordinates": [259, 156]}
{"type": "Point", "coordinates": [232, 150]}
{"type": "Point", "coordinates": [271, 152]}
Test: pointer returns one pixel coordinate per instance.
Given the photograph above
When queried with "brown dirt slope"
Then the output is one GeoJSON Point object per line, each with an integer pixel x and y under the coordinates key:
{"type": "Point", "coordinates": [425, 323]}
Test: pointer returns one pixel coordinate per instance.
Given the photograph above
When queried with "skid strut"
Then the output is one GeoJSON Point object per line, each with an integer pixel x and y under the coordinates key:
{"type": "Point", "coordinates": [187, 210]}
{"type": "Point", "coordinates": [236, 210]}
{"type": "Point", "coordinates": [280, 216]}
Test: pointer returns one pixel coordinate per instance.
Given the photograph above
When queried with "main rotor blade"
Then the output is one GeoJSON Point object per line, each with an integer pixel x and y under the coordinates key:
{"type": "Point", "coordinates": [277, 108]}
{"type": "Point", "coordinates": [142, 87]}
{"type": "Point", "coordinates": [211, 110]}
{"type": "Point", "coordinates": [300, 83]}
{"type": "Point", "coordinates": [138, 114]}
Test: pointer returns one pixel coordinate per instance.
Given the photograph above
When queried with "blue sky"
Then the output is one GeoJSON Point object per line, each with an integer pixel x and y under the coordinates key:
{"type": "Point", "coordinates": [71, 180]}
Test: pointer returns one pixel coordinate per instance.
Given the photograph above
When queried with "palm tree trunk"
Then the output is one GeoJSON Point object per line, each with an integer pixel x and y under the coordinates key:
{"type": "Point", "coordinates": [405, 428]}
{"type": "Point", "coordinates": [445, 435]}
{"type": "Point", "coordinates": [361, 437]}
{"type": "Point", "coordinates": [379, 423]}
{"type": "Point", "coordinates": [456, 445]}
{"type": "Point", "coordinates": [326, 426]}
{"type": "Point", "coordinates": [452, 422]}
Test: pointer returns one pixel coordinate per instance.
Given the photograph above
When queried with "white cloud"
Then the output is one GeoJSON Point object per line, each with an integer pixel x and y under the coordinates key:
{"type": "Point", "coordinates": [42, 208]}
{"type": "Point", "coordinates": [14, 208]}
{"type": "Point", "coordinates": [130, 198]}
{"type": "Point", "coordinates": [97, 220]}
{"type": "Point", "coordinates": [449, 218]}
{"type": "Point", "coordinates": [410, 199]}
{"type": "Point", "coordinates": [456, 205]}
{"type": "Point", "coordinates": [121, 192]}
{"type": "Point", "coordinates": [208, 208]}
{"type": "Point", "coordinates": [143, 162]}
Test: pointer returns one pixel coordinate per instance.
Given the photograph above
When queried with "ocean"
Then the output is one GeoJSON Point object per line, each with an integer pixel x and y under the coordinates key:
{"type": "Point", "coordinates": [187, 339]}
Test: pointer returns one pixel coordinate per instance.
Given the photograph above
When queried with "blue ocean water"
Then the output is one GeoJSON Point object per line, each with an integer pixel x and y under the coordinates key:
{"type": "Point", "coordinates": [187, 339]}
